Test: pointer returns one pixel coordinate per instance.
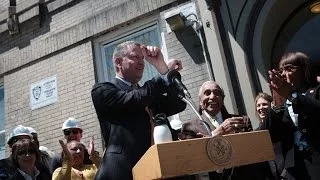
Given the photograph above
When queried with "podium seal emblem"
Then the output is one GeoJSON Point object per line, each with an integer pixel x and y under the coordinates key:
{"type": "Point", "coordinates": [219, 150]}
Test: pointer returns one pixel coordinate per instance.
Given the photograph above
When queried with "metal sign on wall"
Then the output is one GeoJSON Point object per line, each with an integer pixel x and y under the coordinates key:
{"type": "Point", "coordinates": [43, 93]}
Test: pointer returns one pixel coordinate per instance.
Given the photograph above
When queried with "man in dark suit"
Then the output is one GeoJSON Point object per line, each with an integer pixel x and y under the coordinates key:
{"type": "Point", "coordinates": [215, 115]}
{"type": "Point", "coordinates": [219, 122]}
{"type": "Point", "coordinates": [123, 107]}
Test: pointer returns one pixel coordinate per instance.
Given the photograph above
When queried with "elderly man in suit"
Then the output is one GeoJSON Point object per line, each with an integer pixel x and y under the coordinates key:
{"type": "Point", "coordinates": [215, 115]}
{"type": "Point", "coordinates": [219, 122]}
{"type": "Point", "coordinates": [123, 107]}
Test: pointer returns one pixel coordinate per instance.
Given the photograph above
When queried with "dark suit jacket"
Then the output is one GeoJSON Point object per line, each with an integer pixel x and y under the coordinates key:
{"type": "Point", "coordinates": [9, 170]}
{"type": "Point", "coordinates": [125, 124]}
{"type": "Point", "coordinates": [248, 172]}
{"type": "Point", "coordinates": [197, 126]}
{"type": "Point", "coordinates": [282, 130]}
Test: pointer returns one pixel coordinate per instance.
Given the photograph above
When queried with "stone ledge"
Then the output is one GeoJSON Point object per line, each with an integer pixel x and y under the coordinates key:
{"type": "Point", "coordinates": [29, 9]}
{"type": "Point", "coordinates": [95, 25]}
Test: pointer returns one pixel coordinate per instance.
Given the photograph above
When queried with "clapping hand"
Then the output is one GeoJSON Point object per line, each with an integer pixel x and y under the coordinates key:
{"type": "Point", "coordinates": [279, 84]}
{"type": "Point", "coordinates": [92, 153]}
{"type": "Point", "coordinates": [65, 150]}
{"type": "Point", "coordinates": [232, 125]}
{"type": "Point", "coordinates": [91, 147]}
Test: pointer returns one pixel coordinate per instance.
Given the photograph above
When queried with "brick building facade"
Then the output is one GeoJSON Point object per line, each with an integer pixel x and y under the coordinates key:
{"type": "Point", "coordinates": [60, 38]}
{"type": "Point", "coordinates": [72, 40]}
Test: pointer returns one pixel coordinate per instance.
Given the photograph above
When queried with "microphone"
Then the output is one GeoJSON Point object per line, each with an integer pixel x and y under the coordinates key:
{"type": "Point", "coordinates": [174, 77]}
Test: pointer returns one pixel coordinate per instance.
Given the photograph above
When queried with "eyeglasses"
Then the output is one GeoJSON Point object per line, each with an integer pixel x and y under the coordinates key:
{"type": "Point", "coordinates": [67, 132]}
{"type": "Point", "coordinates": [288, 68]}
{"type": "Point", "coordinates": [28, 151]}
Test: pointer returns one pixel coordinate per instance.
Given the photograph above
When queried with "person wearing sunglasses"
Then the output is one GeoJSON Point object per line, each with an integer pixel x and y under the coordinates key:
{"type": "Point", "coordinates": [26, 158]}
{"type": "Point", "coordinates": [72, 131]}
{"type": "Point", "coordinates": [7, 167]}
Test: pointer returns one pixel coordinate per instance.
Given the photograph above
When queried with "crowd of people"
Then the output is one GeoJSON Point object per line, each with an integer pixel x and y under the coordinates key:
{"type": "Point", "coordinates": [28, 160]}
{"type": "Point", "coordinates": [126, 111]}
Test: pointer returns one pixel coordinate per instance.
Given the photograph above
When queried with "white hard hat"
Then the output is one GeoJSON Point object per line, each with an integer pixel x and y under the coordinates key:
{"type": "Point", "coordinates": [176, 124]}
{"type": "Point", "coordinates": [31, 130]}
{"type": "Point", "coordinates": [18, 131]}
{"type": "Point", "coordinates": [71, 123]}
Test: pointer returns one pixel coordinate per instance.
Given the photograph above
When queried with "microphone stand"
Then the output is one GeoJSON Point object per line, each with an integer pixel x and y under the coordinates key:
{"type": "Point", "coordinates": [191, 104]}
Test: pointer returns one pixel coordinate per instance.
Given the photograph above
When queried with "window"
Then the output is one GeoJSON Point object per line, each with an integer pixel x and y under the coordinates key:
{"type": "Point", "coordinates": [148, 35]}
{"type": "Point", "coordinates": [2, 131]}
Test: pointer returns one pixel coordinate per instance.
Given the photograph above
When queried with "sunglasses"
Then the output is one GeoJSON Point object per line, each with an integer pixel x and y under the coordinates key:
{"type": "Point", "coordinates": [25, 152]}
{"type": "Point", "coordinates": [68, 132]}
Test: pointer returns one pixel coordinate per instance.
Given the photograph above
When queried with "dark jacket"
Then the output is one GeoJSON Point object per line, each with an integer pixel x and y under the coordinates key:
{"type": "Point", "coordinates": [299, 164]}
{"type": "Point", "coordinates": [44, 175]}
{"type": "Point", "coordinates": [125, 123]}
{"type": "Point", "coordinates": [7, 168]}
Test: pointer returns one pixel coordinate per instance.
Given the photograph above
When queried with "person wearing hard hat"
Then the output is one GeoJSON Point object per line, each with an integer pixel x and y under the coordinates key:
{"type": "Point", "coordinates": [25, 156]}
{"type": "Point", "coordinates": [72, 131]}
{"type": "Point", "coordinates": [20, 132]}
{"type": "Point", "coordinates": [7, 168]}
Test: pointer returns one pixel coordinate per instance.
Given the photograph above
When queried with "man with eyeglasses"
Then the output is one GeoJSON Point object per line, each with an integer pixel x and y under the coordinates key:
{"type": "Point", "coordinates": [72, 131]}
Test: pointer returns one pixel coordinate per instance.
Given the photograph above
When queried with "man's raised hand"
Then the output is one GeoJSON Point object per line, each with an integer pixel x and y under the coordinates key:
{"type": "Point", "coordinates": [155, 57]}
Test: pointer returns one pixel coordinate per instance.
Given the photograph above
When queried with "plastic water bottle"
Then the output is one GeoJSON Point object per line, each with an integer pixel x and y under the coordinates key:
{"type": "Point", "coordinates": [161, 132]}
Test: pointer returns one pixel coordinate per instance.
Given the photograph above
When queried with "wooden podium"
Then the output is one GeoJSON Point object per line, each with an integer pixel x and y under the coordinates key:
{"type": "Point", "coordinates": [195, 156]}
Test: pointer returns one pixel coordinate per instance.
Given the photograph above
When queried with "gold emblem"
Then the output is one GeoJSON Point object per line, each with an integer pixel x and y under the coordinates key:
{"type": "Point", "coordinates": [219, 150]}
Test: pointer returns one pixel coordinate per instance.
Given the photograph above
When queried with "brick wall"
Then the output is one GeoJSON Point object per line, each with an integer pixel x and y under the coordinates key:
{"type": "Point", "coordinates": [193, 75]}
{"type": "Point", "coordinates": [75, 76]}
{"type": "Point", "coordinates": [63, 47]}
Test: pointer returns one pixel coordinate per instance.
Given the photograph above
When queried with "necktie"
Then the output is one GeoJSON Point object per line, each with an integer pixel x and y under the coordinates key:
{"type": "Point", "coordinates": [134, 86]}
{"type": "Point", "coordinates": [214, 121]}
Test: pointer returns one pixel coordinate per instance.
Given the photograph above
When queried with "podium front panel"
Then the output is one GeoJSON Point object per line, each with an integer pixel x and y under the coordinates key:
{"type": "Point", "coordinates": [195, 156]}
